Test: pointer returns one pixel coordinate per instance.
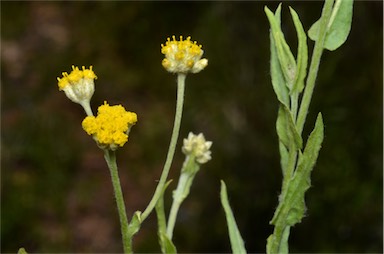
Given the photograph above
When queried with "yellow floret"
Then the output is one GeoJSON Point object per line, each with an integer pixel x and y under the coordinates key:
{"type": "Point", "coordinates": [75, 76]}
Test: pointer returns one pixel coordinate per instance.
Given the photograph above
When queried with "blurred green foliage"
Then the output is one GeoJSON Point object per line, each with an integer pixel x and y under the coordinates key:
{"type": "Point", "coordinates": [56, 192]}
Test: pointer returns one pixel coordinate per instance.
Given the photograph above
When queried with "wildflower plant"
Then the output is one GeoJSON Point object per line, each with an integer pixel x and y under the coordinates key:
{"type": "Point", "coordinates": [288, 80]}
{"type": "Point", "coordinates": [111, 126]}
{"type": "Point", "coordinates": [293, 86]}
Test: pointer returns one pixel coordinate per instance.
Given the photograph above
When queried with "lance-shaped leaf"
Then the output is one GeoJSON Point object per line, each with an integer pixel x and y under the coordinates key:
{"type": "Point", "coordinates": [281, 247]}
{"type": "Point", "coordinates": [284, 157]}
{"type": "Point", "coordinates": [339, 25]}
{"type": "Point", "coordinates": [285, 56]}
{"type": "Point", "coordinates": [166, 244]}
{"type": "Point", "coordinates": [292, 208]}
{"type": "Point", "coordinates": [286, 129]}
{"type": "Point", "coordinates": [277, 76]}
{"type": "Point", "coordinates": [237, 243]}
{"type": "Point", "coordinates": [302, 54]}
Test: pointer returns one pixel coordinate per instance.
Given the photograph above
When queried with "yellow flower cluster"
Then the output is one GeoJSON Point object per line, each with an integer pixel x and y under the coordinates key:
{"type": "Point", "coordinates": [111, 126]}
{"type": "Point", "coordinates": [183, 56]}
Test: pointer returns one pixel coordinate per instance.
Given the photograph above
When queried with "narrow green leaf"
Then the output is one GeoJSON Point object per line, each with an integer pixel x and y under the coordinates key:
{"type": "Point", "coordinates": [22, 251]}
{"type": "Point", "coordinates": [302, 54]}
{"type": "Point", "coordinates": [278, 15]}
{"type": "Point", "coordinates": [339, 25]}
{"type": "Point", "coordinates": [135, 224]}
{"type": "Point", "coordinates": [279, 246]}
{"type": "Point", "coordinates": [237, 243]}
{"type": "Point", "coordinates": [277, 76]}
{"type": "Point", "coordinates": [283, 247]}
{"type": "Point", "coordinates": [286, 128]}
{"type": "Point", "coordinates": [284, 157]}
{"type": "Point", "coordinates": [301, 181]}
{"type": "Point", "coordinates": [166, 244]}
{"type": "Point", "coordinates": [285, 56]}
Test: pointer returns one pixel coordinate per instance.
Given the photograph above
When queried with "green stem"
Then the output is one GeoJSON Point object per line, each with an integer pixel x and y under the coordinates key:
{"type": "Point", "coordinates": [315, 62]}
{"type": "Point", "coordinates": [172, 218]}
{"type": "Point", "coordinates": [172, 146]}
{"type": "Point", "coordinates": [110, 157]}
{"type": "Point", "coordinates": [188, 173]}
{"type": "Point", "coordinates": [290, 169]}
{"type": "Point", "coordinates": [178, 197]}
{"type": "Point", "coordinates": [279, 238]}
{"type": "Point", "coordinates": [294, 105]}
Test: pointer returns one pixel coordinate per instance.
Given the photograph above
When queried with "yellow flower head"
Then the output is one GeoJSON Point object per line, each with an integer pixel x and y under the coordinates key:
{"type": "Point", "coordinates": [183, 56]}
{"type": "Point", "coordinates": [111, 126]}
{"type": "Point", "coordinates": [79, 85]}
{"type": "Point", "coordinates": [197, 145]}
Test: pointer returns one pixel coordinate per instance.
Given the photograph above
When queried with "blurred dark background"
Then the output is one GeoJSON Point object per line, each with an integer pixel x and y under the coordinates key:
{"type": "Point", "coordinates": [56, 193]}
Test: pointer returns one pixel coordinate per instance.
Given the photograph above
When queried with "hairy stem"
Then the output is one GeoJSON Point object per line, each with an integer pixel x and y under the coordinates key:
{"type": "Point", "coordinates": [110, 157]}
{"type": "Point", "coordinates": [172, 145]}
{"type": "Point", "coordinates": [314, 68]}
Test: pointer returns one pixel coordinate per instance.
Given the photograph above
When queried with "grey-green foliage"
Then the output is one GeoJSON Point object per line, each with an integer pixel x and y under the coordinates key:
{"type": "Point", "coordinates": [338, 27]}
{"type": "Point", "coordinates": [237, 243]}
{"type": "Point", "coordinates": [166, 244]}
{"type": "Point", "coordinates": [288, 81]}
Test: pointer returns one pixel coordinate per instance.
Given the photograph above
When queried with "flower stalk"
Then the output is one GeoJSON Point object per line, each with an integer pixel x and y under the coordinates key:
{"type": "Point", "coordinates": [314, 67]}
{"type": "Point", "coordinates": [172, 146]}
{"type": "Point", "coordinates": [188, 173]}
{"type": "Point", "coordinates": [110, 158]}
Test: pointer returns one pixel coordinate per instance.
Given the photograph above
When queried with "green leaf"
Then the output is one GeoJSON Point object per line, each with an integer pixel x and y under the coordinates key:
{"type": "Point", "coordinates": [284, 157]}
{"type": "Point", "coordinates": [283, 247]}
{"type": "Point", "coordinates": [339, 25]}
{"type": "Point", "coordinates": [22, 251]}
{"type": "Point", "coordinates": [277, 76]}
{"type": "Point", "coordinates": [286, 129]}
{"type": "Point", "coordinates": [284, 54]}
{"type": "Point", "coordinates": [166, 244]}
{"type": "Point", "coordinates": [280, 247]}
{"type": "Point", "coordinates": [302, 54]}
{"type": "Point", "coordinates": [301, 180]}
{"type": "Point", "coordinates": [237, 243]}
{"type": "Point", "coordinates": [134, 225]}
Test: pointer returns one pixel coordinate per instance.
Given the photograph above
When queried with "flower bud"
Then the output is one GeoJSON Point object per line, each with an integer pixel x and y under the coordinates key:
{"type": "Point", "coordinates": [197, 146]}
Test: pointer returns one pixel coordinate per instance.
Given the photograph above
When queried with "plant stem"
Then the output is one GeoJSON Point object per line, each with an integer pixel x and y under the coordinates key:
{"type": "Point", "coordinates": [172, 146]}
{"type": "Point", "coordinates": [188, 173]}
{"type": "Point", "coordinates": [172, 218]}
{"type": "Point", "coordinates": [177, 200]}
{"type": "Point", "coordinates": [315, 62]}
{"type": "Point", "coordinates": [279, 238]}
{"type": "Point", "coordinates": [290, 169]}
{"type": "Point", "coordinates": [110, 157]}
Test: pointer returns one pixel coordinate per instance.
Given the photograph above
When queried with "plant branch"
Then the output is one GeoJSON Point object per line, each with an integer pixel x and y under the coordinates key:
{"type": "Point", "coordinates": [172, 146]}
